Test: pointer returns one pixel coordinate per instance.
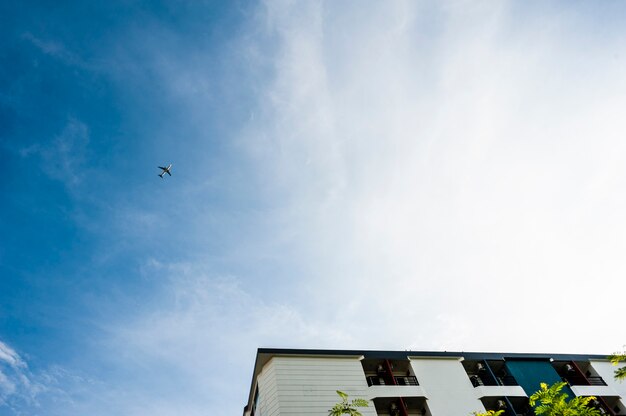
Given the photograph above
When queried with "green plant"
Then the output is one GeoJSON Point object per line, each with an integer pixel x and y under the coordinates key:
{"type": "Point", "coordinates": [554, 403]}
{"type": "Point", "coordinates": [345, 407]}
{"type": "Point", "coordinates": [489, 413]}
{"type": "Point", "coordinates": [616, 359]}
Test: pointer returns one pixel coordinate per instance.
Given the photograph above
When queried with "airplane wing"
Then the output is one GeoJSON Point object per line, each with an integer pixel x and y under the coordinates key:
{"type": "Point", "coordinates": [168, 172]}
{"type": "Point", "coordinates": [161, 167]}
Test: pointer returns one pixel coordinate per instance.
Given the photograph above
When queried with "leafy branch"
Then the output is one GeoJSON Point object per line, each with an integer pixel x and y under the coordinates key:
{"type": "Point", "coordinates": [616, 359]}
{"type": "Point", "coordinates": [554, 403]}
{"type": "Point", "coordinates": [345, 407]}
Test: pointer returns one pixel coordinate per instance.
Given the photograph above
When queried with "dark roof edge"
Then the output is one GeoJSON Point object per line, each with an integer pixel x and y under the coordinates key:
{"type": "Point", "coordinates": [407, 353]}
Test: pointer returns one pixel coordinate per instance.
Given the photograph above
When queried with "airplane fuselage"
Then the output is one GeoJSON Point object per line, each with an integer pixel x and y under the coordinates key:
{"type": "Point", "coordinates": [165, 170]}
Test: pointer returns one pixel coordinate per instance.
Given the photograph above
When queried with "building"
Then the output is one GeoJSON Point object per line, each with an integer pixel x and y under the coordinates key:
{"type": "Point", "coordinates": [289, 382]}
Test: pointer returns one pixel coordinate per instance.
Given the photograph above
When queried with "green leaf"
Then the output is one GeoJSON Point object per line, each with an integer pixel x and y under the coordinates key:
{"type": "Point", "coordinates": [345, 408]}
{"type": "Point", "coordinates": [360, 403]}
{"type": "Point", "coordinates": [343, 395]}
{"type": "Point", "coordinates": [617, 357]}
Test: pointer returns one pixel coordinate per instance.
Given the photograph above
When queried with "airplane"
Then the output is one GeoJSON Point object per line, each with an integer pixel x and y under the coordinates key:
{"type": "Point", "coordinates": [165, 170]}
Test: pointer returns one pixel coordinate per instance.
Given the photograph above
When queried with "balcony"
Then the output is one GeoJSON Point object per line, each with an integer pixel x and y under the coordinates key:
{"type": "Point", "coordinates": [488, 373]}
{"type": "Point", "coordinates": [490, 378]}
{"type": "Point", "coordinates": [611, 406]}
{"type": "Point", "coordinates": [390, 378]}
{"type": "Point", "coordinates": [578, 373]}
{"type": "Point", "coordinates": [511, 406]}
{"type": "Point", "coordinates": [401, 406]}
{"type": "Point", "coordinates": [582, 378]}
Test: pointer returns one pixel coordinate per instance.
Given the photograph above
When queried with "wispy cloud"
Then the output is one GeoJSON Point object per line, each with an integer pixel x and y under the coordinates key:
{"type": "Point", "coordinates": [57, 50]}
{"type": "Point", "coordinates": [10, 357]}
{"type": "Point", "coordinates": [11, 362]}
{"type": "Point", "coordinates": [200, 327]}
{"type": "Point", "coordinates": [20, 388]}
{"type": "Point", "coordinates": [64, 157]}
{"type": "Point", "coordinates": [431, 164]}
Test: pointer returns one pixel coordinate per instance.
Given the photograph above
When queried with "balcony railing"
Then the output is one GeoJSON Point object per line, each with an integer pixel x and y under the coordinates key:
{"type": "Point", "coordinates": [399, 380]}
{"type": "Point", "coordinates": [375, 381]}
{"type": "Point", "coordinates": [406, 381]}
{"type": "Point", "coordinates": [528, 412]}
{"type": "Point", "coordinates": [596, 381]}
{"type": "Point", "coordinates": [488, 381]}
{"type": "Point", "coordinates": [575, 380]}
{"type": "Point", "coordinates": [507, 381]}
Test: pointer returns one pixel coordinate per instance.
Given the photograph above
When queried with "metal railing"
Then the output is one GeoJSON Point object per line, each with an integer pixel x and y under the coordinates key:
{"type": "Point", "coordinates": [487, 381]}
{"type": "Point", "coordinates": [376, 381]}
{"type": "Point", "coordinates": [406, 380]}
{"type": "Point", "coordinates": [399, 380]}
{"type": "Point", "coordinates": [596, 381]}
{"type": "Point", "coordinates": [576, 380]}
{"type": "Point", "coordinates": [507, 381]}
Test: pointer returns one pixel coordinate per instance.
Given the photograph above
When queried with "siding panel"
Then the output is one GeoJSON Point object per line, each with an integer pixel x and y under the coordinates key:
{"type": "Point", "coordinates": [307, 386]}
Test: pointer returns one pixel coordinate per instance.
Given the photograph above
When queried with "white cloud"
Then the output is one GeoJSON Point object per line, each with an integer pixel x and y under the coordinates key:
{"type": "Point", "coordinates": [438, 165]}
{"type": "Point", "coordinates": [22, 389]}
{"type": "Point", "coordinates": [10, 357]}
{"type": "Point", "coordinates": [201, 330]}
{"type": "Point", "coordinates": [12, 369]}
{"type": "Point", "coordinates": [56, 50]}
{"type": "Point", "coordinates": [64, 158]}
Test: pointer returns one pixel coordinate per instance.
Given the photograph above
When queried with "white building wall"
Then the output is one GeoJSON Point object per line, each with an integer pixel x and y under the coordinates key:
{"type": "Point", "coordinates": [594, 391]}
{"type": "Point", "coordinates": [447, 386]}
{"type": "Point", "coordinates": [606, 370]}
{"type": "Point", "coordinates": [394, 391]}
{"type": "Point", "coordinates": [294, 386]}
{"type": "Point", "coordinates": [267, 404]}
{"type": "Point", "coordinates": [494, 391]}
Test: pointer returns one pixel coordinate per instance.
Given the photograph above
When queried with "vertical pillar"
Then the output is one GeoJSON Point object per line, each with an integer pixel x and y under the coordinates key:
{"type": "Point", "coordinates": [403, 409]}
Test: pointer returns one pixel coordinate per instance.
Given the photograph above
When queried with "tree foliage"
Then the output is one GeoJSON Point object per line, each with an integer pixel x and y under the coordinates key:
{"type": "Point", "coordinates": [345, 407]}
{"type": "Point", "coordinates": [616, 359]}
{"type": "Point", "coordinates": [554, 403]}
{"type": "Point", "coordinates": [489, 413]}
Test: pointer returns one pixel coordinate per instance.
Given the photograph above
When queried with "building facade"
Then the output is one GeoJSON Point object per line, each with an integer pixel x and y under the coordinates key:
{"type": "Point", "coordinates": [289, 382]}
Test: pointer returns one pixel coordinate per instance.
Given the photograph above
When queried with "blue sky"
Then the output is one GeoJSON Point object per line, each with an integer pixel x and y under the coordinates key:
{"type": "Point", "coordinates": [424, 175]}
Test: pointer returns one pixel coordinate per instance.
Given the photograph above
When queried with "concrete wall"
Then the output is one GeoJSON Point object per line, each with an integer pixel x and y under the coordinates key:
{"type": "Point", "coordinates": [447, 387]}
{"type": "Point", "coordinates": [267, 404]}
{"type": "Point", "coordinates": [494, 391]}
{"type": "Point", "coordinates": [307, 385]}
{"type": "Point", "coordinates": [606, 370]}
{"type": "Point", "coordinates": [394, 391]}
{"type": "Point", "coordinates": [594, 391]}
